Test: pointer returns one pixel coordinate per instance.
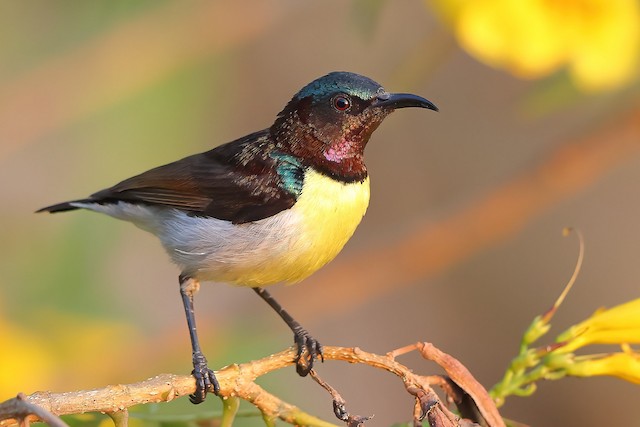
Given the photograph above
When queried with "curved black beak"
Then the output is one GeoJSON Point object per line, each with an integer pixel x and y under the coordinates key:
{"type": "Point", "coordinates": [402, 100]}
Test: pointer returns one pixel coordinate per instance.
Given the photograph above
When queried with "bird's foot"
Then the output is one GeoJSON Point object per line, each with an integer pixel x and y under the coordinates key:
{"type": "Point", "coordinates": [206, 381]}
{"type": "Point", "coordinates": [309, 349]}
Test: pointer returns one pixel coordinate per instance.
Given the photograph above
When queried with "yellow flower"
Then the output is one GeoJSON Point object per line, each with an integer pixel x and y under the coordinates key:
{"type": "Point", "coordinates": [617, 325]}
{"type": "Point", "coordinates": [598, 40]}
{"type": "Point", "coordinates": [625, 365]}
{"type": "Point", "coordinates": [25, 362]}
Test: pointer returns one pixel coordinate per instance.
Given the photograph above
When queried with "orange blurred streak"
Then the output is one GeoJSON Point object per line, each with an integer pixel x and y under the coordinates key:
{"type": "Point", "coordinates": [434, 247]}
{"type": "Point", "coordinates": [134, 55]}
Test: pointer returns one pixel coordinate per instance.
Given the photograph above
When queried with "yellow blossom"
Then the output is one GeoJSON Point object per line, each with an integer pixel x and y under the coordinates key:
{"type": "Point", "coordinates": [625, 365]}
{"type": "Point", "coordinates": [598, 40]}
{"type": "Point", "coordinates": [25, 362]}
{"type": "Point", "coordinates": [616, 325]}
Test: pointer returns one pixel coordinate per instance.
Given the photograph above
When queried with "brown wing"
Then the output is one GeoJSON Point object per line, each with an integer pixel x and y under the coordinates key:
{"type": "Point", "coordinates": [235, 182]}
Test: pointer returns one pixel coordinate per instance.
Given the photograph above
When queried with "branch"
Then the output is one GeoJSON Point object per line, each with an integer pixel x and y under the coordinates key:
{"type": "Point", "coordinates": [238, 381]}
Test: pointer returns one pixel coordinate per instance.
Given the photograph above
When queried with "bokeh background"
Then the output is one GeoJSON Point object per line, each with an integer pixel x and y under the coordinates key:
{"type": "Point", "coordinates": [461, 246]}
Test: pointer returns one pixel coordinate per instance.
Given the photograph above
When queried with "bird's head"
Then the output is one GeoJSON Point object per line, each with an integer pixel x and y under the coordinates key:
{"type": "Point", "coordinates": [328, 122]}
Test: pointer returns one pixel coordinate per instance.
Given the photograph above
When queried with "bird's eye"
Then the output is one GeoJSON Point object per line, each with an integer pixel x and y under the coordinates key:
{"type": "Point", "coordinates": [341, 103]}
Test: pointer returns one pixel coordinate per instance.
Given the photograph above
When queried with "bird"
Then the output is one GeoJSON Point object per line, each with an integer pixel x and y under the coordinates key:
{"type": "Point", "coordinates": [271, 207]}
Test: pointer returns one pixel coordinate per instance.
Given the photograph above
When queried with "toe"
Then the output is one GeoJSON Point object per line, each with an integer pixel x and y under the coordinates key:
{"type": "Point", "coordinates": [308, 350]}
{"type": "Point", "coordinates": [206, 382]}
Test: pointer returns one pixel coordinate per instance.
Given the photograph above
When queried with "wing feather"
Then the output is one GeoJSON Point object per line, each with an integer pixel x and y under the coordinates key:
{"type": "Point", "coordinates": [237, 182]}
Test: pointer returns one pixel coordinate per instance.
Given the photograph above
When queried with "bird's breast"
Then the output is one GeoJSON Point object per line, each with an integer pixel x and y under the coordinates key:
{"type": "Point", "coordinates": [329, 213]}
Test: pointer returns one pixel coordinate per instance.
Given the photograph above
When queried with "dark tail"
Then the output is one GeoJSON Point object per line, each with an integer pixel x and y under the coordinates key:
{"type": "Point", "coordinates": [63, 207]}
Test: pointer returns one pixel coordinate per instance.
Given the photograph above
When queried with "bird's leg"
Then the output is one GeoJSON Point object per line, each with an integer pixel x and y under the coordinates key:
{"type": "Point", "coordinates": [308, 347]}
{"type": "Point", "coordinates": [205, 378]}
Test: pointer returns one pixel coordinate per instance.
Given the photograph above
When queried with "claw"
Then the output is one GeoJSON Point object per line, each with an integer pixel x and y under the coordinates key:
{"type": "Point", "coordinates": [206, 381]}
{"type": "Point", "coordinates": [308, 350]}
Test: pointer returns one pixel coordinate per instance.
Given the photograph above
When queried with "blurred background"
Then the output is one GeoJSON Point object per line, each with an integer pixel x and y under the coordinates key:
{"type": "Point", "coordinates": [539, 128]}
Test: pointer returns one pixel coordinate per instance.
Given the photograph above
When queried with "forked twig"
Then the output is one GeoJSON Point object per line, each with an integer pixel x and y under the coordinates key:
{"type": "Point", "coordinates": [21, 410]}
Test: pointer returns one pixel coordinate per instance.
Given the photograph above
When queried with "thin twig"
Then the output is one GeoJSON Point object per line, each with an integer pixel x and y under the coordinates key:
{"type": "Point", "coordinates": [339, 404]}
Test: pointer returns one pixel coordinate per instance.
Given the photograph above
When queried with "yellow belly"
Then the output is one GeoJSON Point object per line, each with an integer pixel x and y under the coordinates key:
{"type": "Point", "coordinates": [331, 212]}
{"type": "Point", "coordinates": [306, 237]}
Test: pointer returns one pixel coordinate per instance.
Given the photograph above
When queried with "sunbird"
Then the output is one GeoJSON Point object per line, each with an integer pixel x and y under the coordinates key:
{"type": "Point", "coordinates": [271, 207]}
